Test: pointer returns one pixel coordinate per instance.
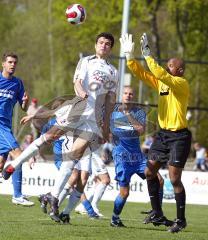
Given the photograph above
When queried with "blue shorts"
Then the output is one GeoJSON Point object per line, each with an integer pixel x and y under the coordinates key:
{"type": "Point", "coordinates": [7, 141]}
{"type": "Point", "coordinates": [125, 170]}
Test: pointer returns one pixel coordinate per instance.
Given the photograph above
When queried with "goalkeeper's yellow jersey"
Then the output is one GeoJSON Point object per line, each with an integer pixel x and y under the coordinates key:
{"type": "Point", "coordinates": [173, 93]}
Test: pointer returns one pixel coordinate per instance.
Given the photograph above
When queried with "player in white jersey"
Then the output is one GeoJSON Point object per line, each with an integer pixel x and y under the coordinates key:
{"type": "Point", "coordinates": [101, 178]}
{"type": "Point", "coordinates": [81, 118]}
{"type": "Point", "coordinates": [91, 161]}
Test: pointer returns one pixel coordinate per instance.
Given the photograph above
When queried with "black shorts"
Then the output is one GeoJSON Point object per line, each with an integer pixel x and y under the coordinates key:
{"type": "Point", "coordinates": [172, 147]}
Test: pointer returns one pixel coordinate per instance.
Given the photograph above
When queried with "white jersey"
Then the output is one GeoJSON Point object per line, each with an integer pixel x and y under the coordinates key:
{"type": "Point", "coordinates": [98, 76]}
{"type": "Point", "coordinates": [200, 153]}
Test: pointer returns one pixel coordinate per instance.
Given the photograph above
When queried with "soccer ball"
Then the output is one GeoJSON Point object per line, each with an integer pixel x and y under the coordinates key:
{"type": "Point", "coordinates": [75, 14]}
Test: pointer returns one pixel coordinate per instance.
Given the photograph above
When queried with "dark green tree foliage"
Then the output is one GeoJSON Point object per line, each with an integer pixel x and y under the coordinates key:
{"type": "Point", "coordinates": [49, 47]}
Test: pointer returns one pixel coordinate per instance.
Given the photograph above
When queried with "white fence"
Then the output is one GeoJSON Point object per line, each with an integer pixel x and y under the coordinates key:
{"type": "Point", "coordinates": [42, 178]}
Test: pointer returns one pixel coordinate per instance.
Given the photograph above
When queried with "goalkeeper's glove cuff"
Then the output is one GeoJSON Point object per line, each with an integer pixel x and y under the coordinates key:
{"type": "Point", "coordinates": [129, 56]}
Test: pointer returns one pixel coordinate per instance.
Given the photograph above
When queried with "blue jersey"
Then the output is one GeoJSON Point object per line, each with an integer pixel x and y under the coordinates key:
{"type": "Point", "coordinates": [127, 155]}
{"type": "Point", "coordinates": [11, 91]}
{"type": "Point", "coordinates": [125, 136]}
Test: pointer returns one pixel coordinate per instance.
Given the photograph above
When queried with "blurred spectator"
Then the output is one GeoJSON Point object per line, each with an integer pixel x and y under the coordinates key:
{"type": "Point", "coordinates": [27, 141]}
{"type": "Point", "coordinates": [200, 157]}
{"type": "Point", "coordinates": [32, 109]}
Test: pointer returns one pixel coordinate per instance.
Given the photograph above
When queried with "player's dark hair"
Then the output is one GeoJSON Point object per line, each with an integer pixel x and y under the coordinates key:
{"type": "Point", "coordinates": [9, 54]}
{"type": "Point", "coordinates": [106, 35]}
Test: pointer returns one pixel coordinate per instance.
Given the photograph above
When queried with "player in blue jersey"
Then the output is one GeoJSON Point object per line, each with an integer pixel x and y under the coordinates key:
{"type": "Point", "coordinates": [127, 124]}
{"type": "Point", "coordinates": [11, 92]}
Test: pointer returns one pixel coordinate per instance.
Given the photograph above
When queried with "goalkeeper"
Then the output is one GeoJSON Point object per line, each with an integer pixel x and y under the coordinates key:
{"type": "Point", "coordinates": [173, 141]}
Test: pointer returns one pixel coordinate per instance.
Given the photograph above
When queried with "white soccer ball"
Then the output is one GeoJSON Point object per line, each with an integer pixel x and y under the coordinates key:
{"type": "Point", "coordinates": [75, 14]}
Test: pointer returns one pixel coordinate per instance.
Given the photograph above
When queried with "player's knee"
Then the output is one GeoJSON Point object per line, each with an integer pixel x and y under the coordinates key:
{"type": "Point", "coordinates": [161, 181]}
{"type": "Point", "coordinates": [51, 136]}
{"type": "Point", "coordinates": [106, 179]}
{"type": "Point", "coordinates": [150, 171]}
{"type": "Point", "coordinates": [176, 182]}
{"type": "Point", "coordinates": [124, 194]}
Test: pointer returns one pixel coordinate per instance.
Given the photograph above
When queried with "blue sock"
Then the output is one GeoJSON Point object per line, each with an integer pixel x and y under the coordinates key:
{"type": "Point", "coordinates": [17, 182]}
{"type": "Point", "coordinates": [88, 207]}
{"type": "Point", "coordinates": [161, 196]}
{"type": "Point", "coordinates": [118, 205]}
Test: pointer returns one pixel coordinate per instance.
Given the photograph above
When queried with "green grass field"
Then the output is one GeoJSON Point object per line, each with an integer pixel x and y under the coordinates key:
{"type": "Point", "coordinates": [17, 222]}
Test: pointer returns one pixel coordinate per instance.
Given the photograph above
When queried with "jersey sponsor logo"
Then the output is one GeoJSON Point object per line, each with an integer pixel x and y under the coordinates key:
{"type": "Point", "coordinates": [6, 93]}
{"type": "Point", "coordinates": [164, 91]}
{"type": "Point", "coordinates": [129, 157]}
{"type": "Point", "coordinates": [99, 76]}
{"type": "Point", "coordinates": [100, 79]}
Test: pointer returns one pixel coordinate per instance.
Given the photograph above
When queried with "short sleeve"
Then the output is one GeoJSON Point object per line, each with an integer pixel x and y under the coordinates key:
{"type": "Point", "coordinates": [81, 69]}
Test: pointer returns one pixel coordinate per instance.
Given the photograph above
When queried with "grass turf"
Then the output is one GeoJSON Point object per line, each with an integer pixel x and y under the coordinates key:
{"type": "Point", "coordinates": [28, 223]}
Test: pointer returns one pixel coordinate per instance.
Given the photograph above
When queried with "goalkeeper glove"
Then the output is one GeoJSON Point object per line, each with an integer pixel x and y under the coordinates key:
{"type": "Point", "coordinates": [144, 46]}
{"type": "Point", "coordinates": [127, 46]}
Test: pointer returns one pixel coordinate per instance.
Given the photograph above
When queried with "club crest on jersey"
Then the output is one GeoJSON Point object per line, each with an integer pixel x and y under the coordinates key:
{"type": "Point", "coordinates": [164, 91]}
{"type": "Point", "coordinates": [100, 76]}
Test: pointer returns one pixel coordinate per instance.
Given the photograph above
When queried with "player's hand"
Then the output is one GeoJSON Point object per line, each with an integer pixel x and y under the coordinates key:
{"type": "Point", "coordinates": [25, 101]}
{"type": "Point", "coordinates": [144, 46]}
{"type": "Point", "coordinates": [26, 119]}
{"type": "Point", "coordinates": [127, 46]}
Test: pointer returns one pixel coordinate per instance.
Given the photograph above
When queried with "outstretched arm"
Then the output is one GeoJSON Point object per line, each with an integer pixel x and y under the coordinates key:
{"type": "Point", "coordinates": [135, 67]}
{"type": "Point", "coordinates": [159, 72]}
{"type": "Point", "coordinates": [38, 115]}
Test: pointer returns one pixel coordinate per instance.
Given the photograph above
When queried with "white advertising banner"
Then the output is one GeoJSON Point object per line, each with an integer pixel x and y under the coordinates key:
{"type": "Point", "coordinates": [42, 177]}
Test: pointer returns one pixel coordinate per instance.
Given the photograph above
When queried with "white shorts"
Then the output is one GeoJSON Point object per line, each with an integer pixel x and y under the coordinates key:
{"type": "Point", "coordinates": [80, 115]}
{"type": "Point", "coordinates": [84, 164]}
{"type": "Point", "coordinates": [98, 166]}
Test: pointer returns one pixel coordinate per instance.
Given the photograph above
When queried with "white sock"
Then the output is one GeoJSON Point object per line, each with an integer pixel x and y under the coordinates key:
{"type": "Point", "coordinates": [72, 202]}
{"type": "Point", "coordinates": [99, 191]}
{"type": "Point", "coordinates": [63, 176]}
{"type": "Point", "coordinates": [80, 207]}
{"type": "Point", "coordinates": [29, 152]}
{"type": "Point", "coordinates": [64, 193]}
{"type": "Point", "coordinates": [90, 194]}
